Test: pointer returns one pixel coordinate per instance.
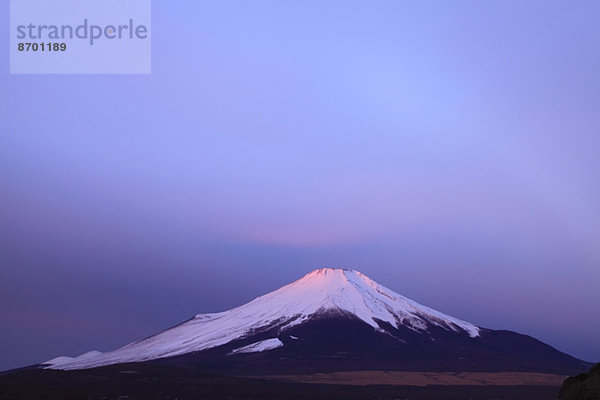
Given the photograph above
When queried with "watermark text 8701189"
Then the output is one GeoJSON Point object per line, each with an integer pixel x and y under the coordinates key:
{"type": "Point", "coordinates": [42, 46]}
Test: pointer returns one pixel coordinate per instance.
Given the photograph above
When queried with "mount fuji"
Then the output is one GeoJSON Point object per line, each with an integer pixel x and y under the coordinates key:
{"type": "Point", "coordinates": [333, 320]}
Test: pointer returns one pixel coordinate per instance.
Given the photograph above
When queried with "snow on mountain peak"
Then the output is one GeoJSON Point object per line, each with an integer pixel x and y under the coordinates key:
{"type": "Point", "coordinates": [353, 292]}
{"type": "Point", "coordinates": [342, 291]}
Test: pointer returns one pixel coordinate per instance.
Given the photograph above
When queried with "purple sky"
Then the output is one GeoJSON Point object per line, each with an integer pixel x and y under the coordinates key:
{"type": "Point", "coordinates": [448, 150]}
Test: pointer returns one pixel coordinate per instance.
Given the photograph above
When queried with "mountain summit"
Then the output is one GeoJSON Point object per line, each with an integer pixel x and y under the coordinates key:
{"type": "Point", "coordinates": [333, 319]}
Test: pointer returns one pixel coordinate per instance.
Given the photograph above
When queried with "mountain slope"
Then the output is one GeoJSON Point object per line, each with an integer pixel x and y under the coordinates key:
{"type": "Point", "coordinates": [333, 319]}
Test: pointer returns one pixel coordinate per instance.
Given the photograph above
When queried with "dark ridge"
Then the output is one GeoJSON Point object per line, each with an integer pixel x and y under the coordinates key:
{"type": "Point", "coordinates": [583, 386]}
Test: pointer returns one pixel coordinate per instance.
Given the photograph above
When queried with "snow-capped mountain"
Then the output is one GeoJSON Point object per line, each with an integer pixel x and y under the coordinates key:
{"type": "Point", "coordinates": [330, 314]}
{"type": "Point", "coordinates": [327, 289]}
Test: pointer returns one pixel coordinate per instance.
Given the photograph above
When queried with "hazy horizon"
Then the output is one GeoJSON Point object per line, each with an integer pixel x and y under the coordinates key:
{"type": "Point", "coordinates": [447, 150]}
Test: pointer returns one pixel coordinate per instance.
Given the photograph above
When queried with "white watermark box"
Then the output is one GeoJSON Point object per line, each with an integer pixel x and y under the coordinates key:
{"type": "Point", "coordinates": [80, 36]}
